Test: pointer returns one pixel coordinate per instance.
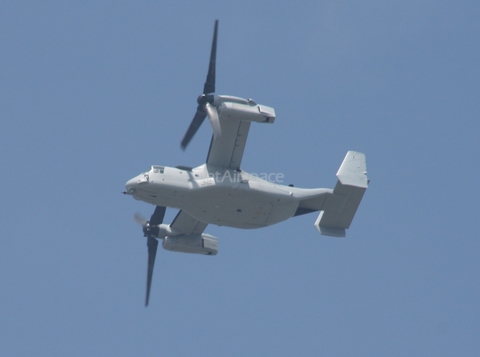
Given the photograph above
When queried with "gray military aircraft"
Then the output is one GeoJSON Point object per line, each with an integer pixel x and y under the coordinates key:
{"type": "Point", "coordinates": [220, 192]}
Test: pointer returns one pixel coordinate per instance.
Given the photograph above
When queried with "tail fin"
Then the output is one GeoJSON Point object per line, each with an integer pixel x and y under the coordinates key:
{"type": "Point", "coordinates": [340, 207]}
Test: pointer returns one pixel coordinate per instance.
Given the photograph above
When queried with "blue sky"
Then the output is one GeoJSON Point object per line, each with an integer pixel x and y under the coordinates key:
{"type": "Point", "coordinates": [93, 93]}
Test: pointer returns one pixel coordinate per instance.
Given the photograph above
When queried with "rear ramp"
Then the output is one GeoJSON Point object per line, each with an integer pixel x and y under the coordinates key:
{"type": "Point", "coordinates": [340, 207]}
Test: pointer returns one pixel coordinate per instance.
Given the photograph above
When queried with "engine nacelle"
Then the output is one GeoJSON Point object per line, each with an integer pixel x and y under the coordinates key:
{"type": "Point", "coordinates": [193, 243]}
{"type": "Point", "coordinates": [244, 112]}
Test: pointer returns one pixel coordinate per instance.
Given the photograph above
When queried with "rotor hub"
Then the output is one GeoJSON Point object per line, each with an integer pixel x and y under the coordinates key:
{"type": "Point", "coordinates": [149, 230]}
{"type": "Point", "coordinates": [204, 99]}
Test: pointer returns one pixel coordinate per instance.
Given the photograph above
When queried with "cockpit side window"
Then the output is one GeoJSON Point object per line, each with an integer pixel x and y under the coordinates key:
{"type": "Point", "coordinates": [158, 169]}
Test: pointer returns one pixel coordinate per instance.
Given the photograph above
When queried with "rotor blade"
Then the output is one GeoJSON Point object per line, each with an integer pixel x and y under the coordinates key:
{"type": "Point", "coordinates": [214, 120]}
{"type": "Point", "coordinates": [152, 245]}
{"type": "Point", "coordinates": [157, 216]}
{"type": "Point", "coordinates": [209, 86]}
{"type": "Point", "coordinates": [197, 120]}
{"type": "Point", "coordinates": [139, 219]}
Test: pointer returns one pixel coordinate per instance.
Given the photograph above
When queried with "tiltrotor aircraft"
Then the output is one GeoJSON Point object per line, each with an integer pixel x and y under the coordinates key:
{"type": "Point", "coordinates": [220, 192]}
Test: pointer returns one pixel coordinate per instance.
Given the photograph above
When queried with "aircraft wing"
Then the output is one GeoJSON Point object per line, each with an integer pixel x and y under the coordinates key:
{"type": "Point", "coordinates": [227, 150]}
{"type": "Point", "coordinates": [186, 224]}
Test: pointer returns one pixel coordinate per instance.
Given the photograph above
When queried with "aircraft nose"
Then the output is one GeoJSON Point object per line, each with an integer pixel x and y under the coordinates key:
{"type": "Point", "coordinates": [130, 186]}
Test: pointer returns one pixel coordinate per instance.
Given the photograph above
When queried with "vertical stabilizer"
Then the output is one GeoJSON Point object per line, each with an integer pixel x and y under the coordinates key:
{"type": "Point", "coordinates": [340, 207]}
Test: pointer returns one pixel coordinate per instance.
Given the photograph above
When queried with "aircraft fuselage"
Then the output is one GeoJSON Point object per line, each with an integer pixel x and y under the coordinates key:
{"type": "Point", "coordinates": [219, 196]}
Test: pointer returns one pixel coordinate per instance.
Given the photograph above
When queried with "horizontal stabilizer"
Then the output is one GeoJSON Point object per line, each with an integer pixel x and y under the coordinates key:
{"type": "Point", "coordinates": [340, 207]}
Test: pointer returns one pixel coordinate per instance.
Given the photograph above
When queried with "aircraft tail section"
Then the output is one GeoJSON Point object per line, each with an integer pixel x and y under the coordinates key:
{"type": "Point", "coordinates": [339, 207]}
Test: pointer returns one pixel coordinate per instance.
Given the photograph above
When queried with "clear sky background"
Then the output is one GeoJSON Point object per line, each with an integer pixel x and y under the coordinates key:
{"type": "Point", "coordinates": [94, 92]}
